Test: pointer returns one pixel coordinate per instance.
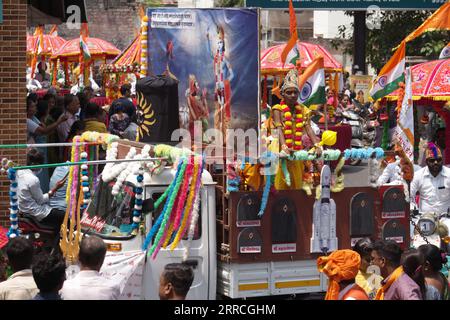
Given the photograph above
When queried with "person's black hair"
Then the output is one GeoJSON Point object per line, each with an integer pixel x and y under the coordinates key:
{"type": "Point", "coordinates": [92, 110]}
{"type": "Point", "coordinates": [20, 253]}
{"type": "Point", "coordinates": [49, 272]}
{"type": "Point", "coordinates": [119, 107]}
{"type": "Point", "coordinates": [29, 101]}
{"type": "Point", "coordinates": [124, 88]}
{"type": "Point", "coordinates": [68, 98]}
{"type": "Point", "coordinates": [34, 157]}
{"type": "Point", "coordinates": [56, 112]}
{"type": "Point", "coordinates": [42, 108]}
{"type": "Point", "coordinates": [180, 276]}
{"type": "Point", "coordinates": [412, 262]}
{"type": "Point", "coordinates": [389, 250]}
{"type": "Point", "coordinates": [33, 96]}
{"type": "Point", "coordinates": [92, 252]}
{"type": "Point", "coordinates": [76, 126]}
{"type": "Point", "coordinates": [434, 256]}
{"type": "Point", "coordinates": [364, 247]}
{"type": "Point", "coordinates": [49, 96]}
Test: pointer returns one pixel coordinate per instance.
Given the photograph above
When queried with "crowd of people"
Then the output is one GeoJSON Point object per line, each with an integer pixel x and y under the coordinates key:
{"type": "Point", "coordinates": [54, 118]}
{"type": "Point", "coordinates": [414, 274]}
{"type": "Point", "coordinates": [40, 275]}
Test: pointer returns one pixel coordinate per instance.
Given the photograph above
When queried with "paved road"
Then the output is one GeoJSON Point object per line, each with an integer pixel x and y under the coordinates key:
{"type": "Point", "coordinates": [356, 176]}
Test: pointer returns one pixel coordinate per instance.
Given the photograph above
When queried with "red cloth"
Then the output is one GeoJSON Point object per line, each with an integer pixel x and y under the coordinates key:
{"type": "Point", "coordinates": [41, 93]}
{"type": "Point", "coordinates": [3, 237]}
{"type": "Point", "coordinates": [344, 138]}
{"type": "Point", "coordinates": [446, 116]}
{"type": "Point", "coordinates": [344, 135]}
{"type": "Point", "coordinates": [101, 101]}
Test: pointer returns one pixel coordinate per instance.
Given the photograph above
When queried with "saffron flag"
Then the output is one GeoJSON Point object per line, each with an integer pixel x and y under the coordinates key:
{"type": "Point", "coordinates": [390, 75]}
{"type": "Point", "coordinates": [445, 52]}
{"type": "Point", "coordinates": [38, 49]}
{"type": "Point", "coordinates": [404, 132]}
{"type": "Point", "coordinates": [312, 83]}
{"type": "Point", "coordinates": [292, 18]}
{"type": "Point", "coordinates": [40, 43]}
{"type": "Point", "coordinates": [439, 20]}
{"type": "Point", "coordinates": [290, 52]}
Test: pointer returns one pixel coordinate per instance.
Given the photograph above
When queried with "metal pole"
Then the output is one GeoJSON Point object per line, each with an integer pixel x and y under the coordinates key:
{"type": "Point", "coordinates": [46, 145]}
{"type": "Point", "coordinates": [65, 164]}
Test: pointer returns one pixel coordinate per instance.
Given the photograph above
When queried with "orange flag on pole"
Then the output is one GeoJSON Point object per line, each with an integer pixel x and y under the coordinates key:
{"type": "Point", "coordinates": [290, 51]}
{"type": "Point", "coordinates": [292, 19]}
{"type": "Point", "coordinates": [439, 20]}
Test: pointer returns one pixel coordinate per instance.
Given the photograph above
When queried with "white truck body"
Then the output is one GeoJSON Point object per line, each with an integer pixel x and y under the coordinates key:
{"type": "Point", "coordinates": [214, 278]}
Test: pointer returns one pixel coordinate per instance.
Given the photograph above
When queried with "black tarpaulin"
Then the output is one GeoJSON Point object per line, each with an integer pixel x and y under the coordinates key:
{"type": "Point", "coordinates": [158, 114]}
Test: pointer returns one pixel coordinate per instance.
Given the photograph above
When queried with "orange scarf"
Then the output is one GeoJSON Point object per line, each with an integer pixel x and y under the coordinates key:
{"type": "Point", "coordinates": [394, 276]}
{"type": "Point", "coordinates": [338, 266]}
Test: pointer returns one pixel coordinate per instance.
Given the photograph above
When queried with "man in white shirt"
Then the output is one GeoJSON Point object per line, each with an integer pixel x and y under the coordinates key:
{"type": "Point", "coordinates": [433, 183]}
{"type": "Point", "coordinates": [31, 200]}
{"type": "Point", "coordinates": [89, 284]}
{"type": "Point", "coordinates": [72, 106]}
{"type": "Point", "coordinates": [392, 174]}
{"type": "Point", "coordinates": [20, 285]}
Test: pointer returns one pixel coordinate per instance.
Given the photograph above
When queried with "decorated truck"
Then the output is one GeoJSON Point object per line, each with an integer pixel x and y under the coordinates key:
{"type": "Point", "coordinates": [234, 252]}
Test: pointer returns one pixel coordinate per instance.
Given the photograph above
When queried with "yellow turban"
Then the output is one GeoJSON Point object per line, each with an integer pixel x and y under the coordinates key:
{"type": "Point", "coordinates": [338, 266]}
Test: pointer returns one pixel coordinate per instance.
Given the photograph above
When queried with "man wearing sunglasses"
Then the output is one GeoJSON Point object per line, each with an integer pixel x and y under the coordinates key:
{"type": "Point", "coordinates": [433, 183]}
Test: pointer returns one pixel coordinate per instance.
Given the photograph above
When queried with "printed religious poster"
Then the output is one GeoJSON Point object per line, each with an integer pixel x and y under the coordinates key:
{"type": "Point", "coordinates": [213, 55]}
{"type": "Point", "coordinates": [361, 84]}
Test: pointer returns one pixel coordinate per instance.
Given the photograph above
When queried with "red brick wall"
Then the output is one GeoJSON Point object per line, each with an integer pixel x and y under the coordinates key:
{"type": "Point", "coordinates": [12, 90]}
{"type": "Point", "coordinates": [116, 21]}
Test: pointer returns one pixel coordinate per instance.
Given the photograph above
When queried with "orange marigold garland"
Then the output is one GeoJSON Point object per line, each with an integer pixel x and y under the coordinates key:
{"type": "Point", "coordinates": [293, 127]}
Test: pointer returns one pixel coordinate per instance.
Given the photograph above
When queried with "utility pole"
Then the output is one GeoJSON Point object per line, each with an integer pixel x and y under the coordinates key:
{"type": "Point", "coordinates": [359, 40]}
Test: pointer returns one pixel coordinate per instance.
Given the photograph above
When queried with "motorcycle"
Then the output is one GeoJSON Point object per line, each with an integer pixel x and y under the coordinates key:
{"type": "Point", "coordinates": [430, 228]}
{"type": "Point", "coordinates": [41, 236]}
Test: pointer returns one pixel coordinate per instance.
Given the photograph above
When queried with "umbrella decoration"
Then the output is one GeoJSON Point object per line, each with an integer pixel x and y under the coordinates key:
{"type": "Point", "coordinates": [98, 48]}
{"type": "Point", "coordinates": [431, 80]}
{"type": "Point", "coordinates": [127, 61]}
{"type": "Point", "coordinates": [51, 44]}
{"type": "Point", "coordinates": [70, 52]}
{"type": "Point", "coordinates": [271, 58]}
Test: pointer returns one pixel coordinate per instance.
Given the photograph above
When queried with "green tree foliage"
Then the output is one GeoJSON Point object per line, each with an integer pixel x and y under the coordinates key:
{"type": "Point", "coordinates": [155, 3]}
{"type": "Point", "coordinates": [394, 26]}
{"type": "Point", "coordinates": [228, 3]}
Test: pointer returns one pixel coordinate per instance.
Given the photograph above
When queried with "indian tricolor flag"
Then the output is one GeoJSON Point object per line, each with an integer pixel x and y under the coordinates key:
{"type": "Point", "coordinates": [391, 75]}
{"type": "Point", "coordinates": [290, 52]}
{"type": "Point", "coordinates": [312, 83]}
{"type": "Point", "coordinates": [404, 132]}
{"type": "Point", "coordinates": [84, 50]}
{"type": "Point", "coordinates": [445, 54]}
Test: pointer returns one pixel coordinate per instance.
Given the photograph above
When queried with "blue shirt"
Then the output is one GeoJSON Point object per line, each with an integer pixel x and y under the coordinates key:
{"type": "Point", "coordinates": [58, 200]}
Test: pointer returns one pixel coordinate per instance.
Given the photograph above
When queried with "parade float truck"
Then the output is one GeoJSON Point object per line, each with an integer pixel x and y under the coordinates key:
{"type": "Point", "coordinates": [234, 252]}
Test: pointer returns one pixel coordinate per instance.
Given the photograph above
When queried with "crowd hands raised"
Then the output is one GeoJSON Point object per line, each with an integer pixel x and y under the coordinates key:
{"type": "Point", "coordinates": [30, 274]}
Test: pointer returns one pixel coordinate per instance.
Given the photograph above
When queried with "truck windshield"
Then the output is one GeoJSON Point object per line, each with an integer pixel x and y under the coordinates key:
{"type": "Point", "coordinates": [108, 216]}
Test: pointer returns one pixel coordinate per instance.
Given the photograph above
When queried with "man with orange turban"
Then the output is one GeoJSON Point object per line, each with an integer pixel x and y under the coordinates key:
{"type": "Point", "coordinates": [341, 267]}
{"type": "Point", "coordinates": [432, 182]}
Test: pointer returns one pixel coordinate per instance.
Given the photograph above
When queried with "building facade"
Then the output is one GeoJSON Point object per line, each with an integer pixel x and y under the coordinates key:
{"type": "Point", "coordinates": [12, 90]}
